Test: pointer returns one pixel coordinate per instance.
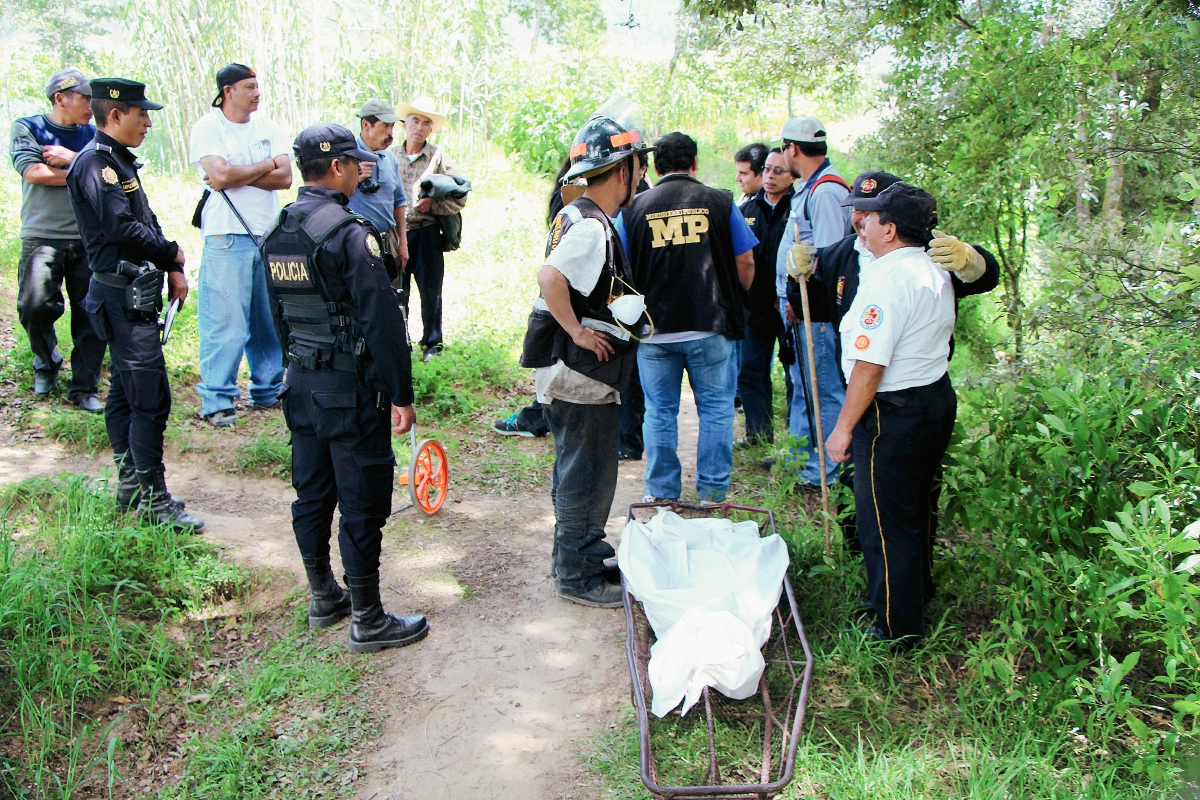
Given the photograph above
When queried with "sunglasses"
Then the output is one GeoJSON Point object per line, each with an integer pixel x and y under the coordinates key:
{"type": "Point", "coordinates": [777, 170]}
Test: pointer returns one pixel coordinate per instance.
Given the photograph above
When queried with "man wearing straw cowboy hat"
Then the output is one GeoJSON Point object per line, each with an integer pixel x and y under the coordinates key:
{"type": "Point", "coordinates": [419, 159]}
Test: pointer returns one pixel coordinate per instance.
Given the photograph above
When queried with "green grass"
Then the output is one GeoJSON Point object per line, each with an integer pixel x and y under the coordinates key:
{"type": "Point", "coordinates": [83, 606]}
{"type": "Point", "coordinates": [461, 381]}
{"type": "Point", "coordinates": [269, 450]}
{"type": "Point", "coordinates": [94, 605]}
{"type": "Point", "coordinates": [281, 724]}
{"type": "Point", "coordinates": [69, 425]}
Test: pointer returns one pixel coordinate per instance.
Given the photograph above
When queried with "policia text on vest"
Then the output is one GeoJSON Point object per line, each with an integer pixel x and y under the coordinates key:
{"type": "Point", "coordinates": [290, 271]}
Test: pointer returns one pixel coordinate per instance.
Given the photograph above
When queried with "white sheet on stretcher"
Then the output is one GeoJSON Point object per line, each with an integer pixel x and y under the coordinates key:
{"type": "Point", "coordinates": [708, 587]}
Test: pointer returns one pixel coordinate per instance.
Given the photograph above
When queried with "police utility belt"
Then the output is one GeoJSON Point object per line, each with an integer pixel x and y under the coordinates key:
{"type": "Point", "coordinates": [143, 285]}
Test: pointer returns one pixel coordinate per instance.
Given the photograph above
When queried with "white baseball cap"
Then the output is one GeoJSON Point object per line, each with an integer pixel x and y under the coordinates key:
{"type": "Point", "coordinates": [803, 129]}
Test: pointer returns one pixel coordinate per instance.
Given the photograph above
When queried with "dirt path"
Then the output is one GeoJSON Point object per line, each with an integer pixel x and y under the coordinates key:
{"type": "Point", "coordinates": [496, 701]}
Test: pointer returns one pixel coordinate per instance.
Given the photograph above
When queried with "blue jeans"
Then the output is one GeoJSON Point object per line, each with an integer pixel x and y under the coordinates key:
{"type": "Point", "coordinates": [754, 382]}
{"type": "Point", "coordinates": [830, 391]}
{"type": "Point", "coordinates": [661, 367]}
{"type": "Point", "coordinates": [234, 313]}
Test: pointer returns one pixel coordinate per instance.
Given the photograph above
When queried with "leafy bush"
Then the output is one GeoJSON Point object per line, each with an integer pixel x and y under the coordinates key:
{"type": "Point", "coordinates": [453, 384]}
{"type": "Point", "coordinates": [544, 107]}
{"type": "Point", "coordinates": [1078, 481]}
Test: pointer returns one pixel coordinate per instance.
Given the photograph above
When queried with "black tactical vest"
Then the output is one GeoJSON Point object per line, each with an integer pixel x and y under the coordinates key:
{"type": "Point", "coordinates": [316, 331]}
{"type": "Point", "coordinates": [545, 340]}
{"type": "Point", "coordinates": [683, 260]}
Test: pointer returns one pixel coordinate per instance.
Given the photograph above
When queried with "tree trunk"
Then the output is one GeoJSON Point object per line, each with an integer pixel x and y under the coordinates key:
{"type": "Point", "coordinates": [1110, 211]}
{"type": "Point", "coordinates": [1010, 235]}
{"type": "Point", "coordinates": [1083, 211]}
{"type": "Point", "coordinates": [537, 26]}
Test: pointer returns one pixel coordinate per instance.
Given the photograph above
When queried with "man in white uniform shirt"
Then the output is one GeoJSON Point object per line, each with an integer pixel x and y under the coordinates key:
{"type": "Point", "coordinates": [900, 407]}
{"type": "Point", "coordinates": [247, 159]}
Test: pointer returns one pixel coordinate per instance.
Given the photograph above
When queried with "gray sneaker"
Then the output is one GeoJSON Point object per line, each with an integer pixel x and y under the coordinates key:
{"type": "Point", "coordinates": [604, 595]}
{"type": "Point", "coordinates": [44, 383]}
{"type": "Point", "coordinates": [221, 419]}
{"type": "Point", "coordinates": [89, 403]}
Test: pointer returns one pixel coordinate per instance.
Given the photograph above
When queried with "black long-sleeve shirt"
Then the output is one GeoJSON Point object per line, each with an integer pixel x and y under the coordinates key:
{"type": "Point", "coordinates": [354, 273]}
{"type": "Point", "coordinates": [112, 210]}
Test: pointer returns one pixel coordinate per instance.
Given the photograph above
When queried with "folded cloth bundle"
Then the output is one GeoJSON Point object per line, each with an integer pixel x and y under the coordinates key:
{"type": "Point", "coordinates": [452, 186]}
{"type": "Point", "coordinates": [708, 587]}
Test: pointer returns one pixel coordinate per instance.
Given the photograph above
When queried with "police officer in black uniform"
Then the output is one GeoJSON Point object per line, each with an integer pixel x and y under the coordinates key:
{"type": "Point", "coordinates": [348, 365]}
{"type": "Point", "coordinates": [129, 258]}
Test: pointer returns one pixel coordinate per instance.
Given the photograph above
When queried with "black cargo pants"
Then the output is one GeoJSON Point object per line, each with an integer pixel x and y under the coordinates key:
{"type": "Point", "coordinates": [341, 456]}
{"type": "Point", "coordinates": [139, 394]}
{"type": "Point", "coordinates": [898, 448]}
{"type": "Point", "coordinates": [47, 265]}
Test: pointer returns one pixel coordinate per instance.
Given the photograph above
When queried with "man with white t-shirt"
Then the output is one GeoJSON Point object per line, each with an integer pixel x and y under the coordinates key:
{"type": "Point", "coordinates": [245, 160]}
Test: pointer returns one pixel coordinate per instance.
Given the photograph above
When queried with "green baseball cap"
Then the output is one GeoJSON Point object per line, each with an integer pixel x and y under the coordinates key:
{"type": "Point", "coordinates": [379, 110]}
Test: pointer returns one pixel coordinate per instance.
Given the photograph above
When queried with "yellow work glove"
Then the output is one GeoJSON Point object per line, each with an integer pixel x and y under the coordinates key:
{"type": "Point", "coordinates": [801, 259]}
{"type": "Point", "coordinates": [954, 255]}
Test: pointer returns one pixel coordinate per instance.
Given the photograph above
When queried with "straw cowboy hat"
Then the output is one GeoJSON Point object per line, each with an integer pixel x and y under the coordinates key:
{"type": "Point", "coordinates": [423, 107]}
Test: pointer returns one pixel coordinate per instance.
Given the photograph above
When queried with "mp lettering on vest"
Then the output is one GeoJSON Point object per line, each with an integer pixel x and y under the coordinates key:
{"type": "Point", "coordinates": [681, 226]}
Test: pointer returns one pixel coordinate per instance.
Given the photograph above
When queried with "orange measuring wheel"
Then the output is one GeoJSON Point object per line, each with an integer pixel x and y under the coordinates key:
{"type": "Point", "coordinates": [428, 477]}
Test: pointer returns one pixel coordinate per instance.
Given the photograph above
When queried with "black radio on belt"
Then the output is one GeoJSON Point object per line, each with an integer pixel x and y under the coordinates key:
{"type": "Point", "coordinates": [144, 291]}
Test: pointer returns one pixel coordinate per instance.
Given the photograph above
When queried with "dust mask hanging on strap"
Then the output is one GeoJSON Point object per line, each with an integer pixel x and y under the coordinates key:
{"type": "Point", "coordinates": [628, 308]}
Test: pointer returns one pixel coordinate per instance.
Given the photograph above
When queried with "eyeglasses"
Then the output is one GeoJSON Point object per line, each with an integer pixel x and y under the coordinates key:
{"type": "Point", "coordinates": [777, 170]}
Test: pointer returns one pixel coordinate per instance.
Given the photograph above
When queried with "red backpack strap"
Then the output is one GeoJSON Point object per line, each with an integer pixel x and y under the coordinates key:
{"type": "Point", "coordinates": [823, 179]}
{"type": "Point", "coordinates": [829, 179]}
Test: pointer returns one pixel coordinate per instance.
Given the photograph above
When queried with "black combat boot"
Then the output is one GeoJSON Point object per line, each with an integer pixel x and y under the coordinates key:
{"type": "Point", "coordinates": [128, 485]}
{"type": "Point", "coordinates": [372, 629]}
{"type": "Point", "coordinates": [162, 509]}
{"type": "Point", "coordinates": [327, 602]}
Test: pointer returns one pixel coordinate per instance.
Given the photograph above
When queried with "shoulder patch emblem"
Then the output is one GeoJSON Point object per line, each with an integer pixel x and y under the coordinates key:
{"type": "Point", "coordinates": [109, 176]}
{"type": "Point", "coordinates": [373, 245]}
{"type": "Point", "coordinates": [872, 317]}
{"type": "Point", "coordinates": [862, 343]}
{"type": "Point", "coordinates": [841, 286]}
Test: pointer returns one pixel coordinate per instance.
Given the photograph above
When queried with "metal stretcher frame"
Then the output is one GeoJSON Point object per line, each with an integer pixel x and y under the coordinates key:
{"type": "Point", "coordinates": [786, 718]}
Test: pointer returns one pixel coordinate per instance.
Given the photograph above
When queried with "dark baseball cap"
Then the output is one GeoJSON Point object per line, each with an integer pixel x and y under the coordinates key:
{"type": "Point", "coordinates": [327, 141]}
{"type": "Point", "coordinates": [228, 76]}
{"type": "Point", "coordinates": [869, 184]}
{"type": "Point", "coordinates": [68, 80]}
{"type": "Point", "coordinates": [126, 91]}
{"type": "Point", "coordinates": [905, 204]}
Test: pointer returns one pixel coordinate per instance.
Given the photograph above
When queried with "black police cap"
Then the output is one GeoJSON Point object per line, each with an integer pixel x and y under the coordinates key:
{"type": "Point", "coordinates": [327, 141]}
{"type": "Point", "coordinates": [122, 89]}
{"type": "Point", "coordinates": [869, 184]}
{"type": "Point", "coordinates": [905, 204]}
{"type": "Point", "coordinates": [228, 76]}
